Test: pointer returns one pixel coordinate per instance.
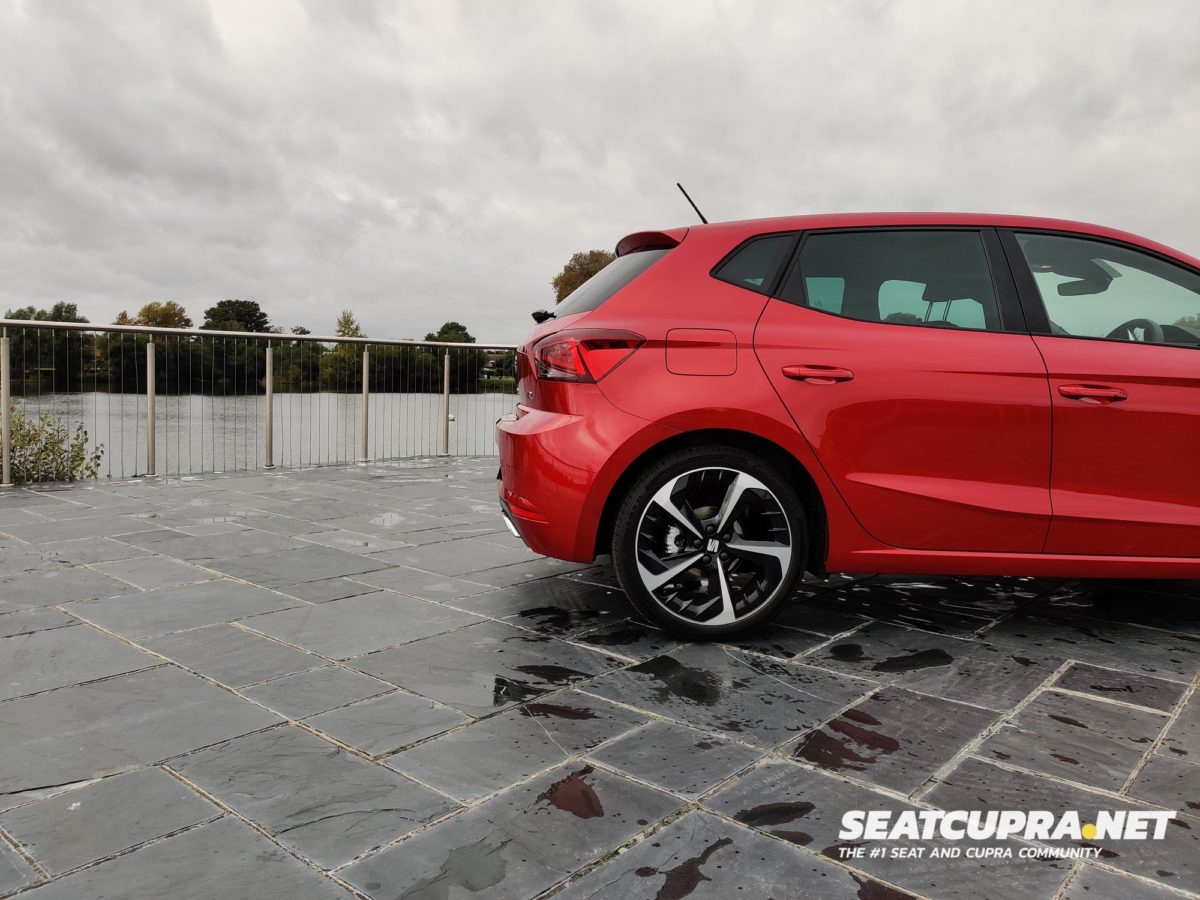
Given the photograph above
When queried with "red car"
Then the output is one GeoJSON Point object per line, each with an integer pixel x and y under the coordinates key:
{"type": "Point", "coordinates": [728, 406]}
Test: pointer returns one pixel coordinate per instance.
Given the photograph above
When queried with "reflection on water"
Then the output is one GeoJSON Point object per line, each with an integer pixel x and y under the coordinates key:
{"type": "Point", "coordinates": [195, 433]}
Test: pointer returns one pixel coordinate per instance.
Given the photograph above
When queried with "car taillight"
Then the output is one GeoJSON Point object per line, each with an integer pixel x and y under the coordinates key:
{"type": "Point", "coordinates": [583, 355]}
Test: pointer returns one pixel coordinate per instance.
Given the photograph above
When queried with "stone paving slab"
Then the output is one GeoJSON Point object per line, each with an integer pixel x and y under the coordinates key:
{"type": "Point", "coordinates": [280, 684]}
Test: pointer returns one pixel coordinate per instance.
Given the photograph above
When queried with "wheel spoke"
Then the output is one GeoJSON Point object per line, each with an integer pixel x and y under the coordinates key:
{"type": "Point", "coordinates": [663, 499]}
{"type": "Point", "coordinates": [727, 614]}
{"type": "Point", "coordinates": [654, 580]}
{"type": "Point", "coordinates": [741, 483]}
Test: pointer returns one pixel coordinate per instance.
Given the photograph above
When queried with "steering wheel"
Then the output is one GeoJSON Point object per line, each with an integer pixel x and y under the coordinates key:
{"type": "Point", "coordinates": [1152, 332]}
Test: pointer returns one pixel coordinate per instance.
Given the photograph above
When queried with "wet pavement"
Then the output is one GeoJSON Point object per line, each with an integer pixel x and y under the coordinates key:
{"type": "Point", "coordinates": [351, 681]}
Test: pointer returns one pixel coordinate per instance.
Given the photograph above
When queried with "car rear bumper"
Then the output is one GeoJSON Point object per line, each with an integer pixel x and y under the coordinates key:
{"type": "Point", "coordinates": [557, 469]}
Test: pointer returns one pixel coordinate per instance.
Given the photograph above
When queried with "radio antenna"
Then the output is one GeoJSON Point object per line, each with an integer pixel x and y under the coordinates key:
{"type": "Point", "coordinates": [689, 200]}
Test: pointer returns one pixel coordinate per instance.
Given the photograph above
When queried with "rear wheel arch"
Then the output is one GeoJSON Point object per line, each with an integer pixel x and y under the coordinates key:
{"type": "Point", "coordinates": [780, 457]}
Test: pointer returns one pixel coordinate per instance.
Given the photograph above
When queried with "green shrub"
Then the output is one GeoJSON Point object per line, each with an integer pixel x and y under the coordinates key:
{"type": "Point", "coordinates": [43, 449]}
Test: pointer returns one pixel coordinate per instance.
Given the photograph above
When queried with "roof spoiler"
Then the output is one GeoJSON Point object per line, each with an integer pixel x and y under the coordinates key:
{"type": "Point", "coordinates": [651, 240]}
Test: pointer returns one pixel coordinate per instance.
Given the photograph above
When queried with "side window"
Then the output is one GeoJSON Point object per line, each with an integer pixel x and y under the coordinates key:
{"type": "Point", "coordinates": [931, 278]}
{"type": "Point", "coordinates": [755, 264]}
{"type": "Point", "coordinates": [1100, 290]}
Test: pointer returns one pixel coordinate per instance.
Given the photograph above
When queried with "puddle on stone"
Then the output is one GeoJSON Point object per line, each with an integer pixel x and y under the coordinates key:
{"type": "Point", "coordinates": [922, 659]}
{"type": "Point", "coordinates": [874, 890]}
{"type": "Point", "coordinates": [551, 673]}
{"type": "Point", "coordinates": [472, 867]}
{"type": "Point", "coordinates": [574, 795]}
{"type": "Point", "coordinates": [846, 652]}
{"type": "Point", "coordinates": [685, 877]}
{"type": "Point", "coordinates": [770, 814]}
{"type": "Point", "coordinates": [829, 751]}
{"type": "Point", "coordinates": [684, 682]}
{"type": "Point", "coordinates": [557, 711]}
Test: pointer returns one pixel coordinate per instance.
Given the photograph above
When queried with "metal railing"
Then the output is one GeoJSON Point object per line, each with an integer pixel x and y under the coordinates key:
{"type": "Point", "coordinates": [173, 401]}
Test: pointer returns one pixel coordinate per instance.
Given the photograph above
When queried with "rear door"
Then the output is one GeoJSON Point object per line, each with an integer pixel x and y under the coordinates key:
{"type": "Point", "coordinates": [902, 357]}
{"type": "Point", "coordinates": [1120, 333]}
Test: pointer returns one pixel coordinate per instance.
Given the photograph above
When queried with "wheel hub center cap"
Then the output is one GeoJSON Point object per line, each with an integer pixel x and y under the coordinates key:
{"type": "Point", "coordinates": [713, 545]}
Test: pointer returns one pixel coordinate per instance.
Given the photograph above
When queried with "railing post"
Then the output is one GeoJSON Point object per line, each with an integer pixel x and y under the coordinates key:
{"type": "Point", "coordinates": [150, 385]}
{"type": "Point", "coordinates": [269, 440]}
{"type": "Point", "coordinates": [6, 402]}
{"type": "Point", "coordinates": [363, 456]}
{"type": "Point", "coordinates": [446, 404]}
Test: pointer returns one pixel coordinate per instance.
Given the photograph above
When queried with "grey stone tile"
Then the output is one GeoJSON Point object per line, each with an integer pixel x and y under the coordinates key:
{"type": "Point", "coordinates": [386, 723]}
{"type": "Point", "coordinates": [517, 844]}
{"type": "Point", "coordinates": [1111, 644]}
{"type": "Point", "coordinates": [778, 641]}
{"type": "Point", "coordinates": [45, 660]}
{"type": "Point", "coordinates": [1183, 737]}
{"type": "Point", "coordinates": [1173, 861]}
{"type": "Point", "coordinates": [93, 526]}
{"type": "Point", "coordinates": [174, 609]}
{"type": "Point", "coordinates": [232, 655]}
{"type": "Point", "coordinates": [213, 862]}
{"type": "Point", "coordinates": [383, 523]}
{"type": "Point", "coordinates": [805, 807]}
{"type": "Point", "coordinates": [15, 872]}
{"type": "Point", "coordinates": [209, 548]}
{"type": "Point", "coordinates": [496, 752]}
{"type": "Point", "coordinates": [153, 572]}
{"type": "Point", "coordinates": [484, 668]}
{"type": "Point", "coordinates": [1091, 883]}
{"type": "Point", "coordinates": [38, 618]}
{"type": "Point", "coordinates": [425, 585]}
{"type": "Point", "coordinates": [728, 692]}
{"type": "Point", "coordinates": [894, 738]}
{"type": "Point", "coordinates": [1167, 605]}
{"type": "Point", "coordinates": [527, 572]}
{"type": "Point", "coordinates": [113, 725]}
{"type": "Point", "coordinates": [327, 589]}
{"type": "Point", "coordinates": [89, 550]}
{"type": "Point", "coordinates": [290, 567]}
{"type": "Point", "coordinates": [1141, 690]}
{"type": "Point", "coordinates": [315, 691]}
{"type": "Point", "coordinates": [968, 671]}
{"type": "Point", "coordinates": [344, 628]}
{"type": "Point", "coordinates": [355, 541]}
{"type": "Point", "coordinates": [676, 757]}
{"type": "Point", "coordinates": [551, 606]}
{"type": "Point", "coordinates": [630, 638]}
{"type": "Point", "coordinates": [1082, 740]}
{"type": "Point", "coordinates": [50, 587]}
{"type": "Point", "coordinates": [328, 805]}
{"type": "Point", "coordinates": [718, 860]}
{"type": "Point", "coordinates": [100, 819]}
{"type": "Point", "coordinates": [1171, 782]}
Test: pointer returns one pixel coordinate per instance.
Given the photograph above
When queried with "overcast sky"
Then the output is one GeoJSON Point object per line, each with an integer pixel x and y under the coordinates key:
{"type": "Point", "coordinates": [422, 161]}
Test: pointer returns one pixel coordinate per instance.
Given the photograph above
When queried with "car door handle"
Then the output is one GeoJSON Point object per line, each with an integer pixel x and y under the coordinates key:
{"type": "Point", "coordinates": [815, 374]}
{"type": "Point", "coordinates": [1092, 393]}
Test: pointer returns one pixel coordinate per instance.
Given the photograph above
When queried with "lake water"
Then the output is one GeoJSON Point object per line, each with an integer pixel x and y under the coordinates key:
{"type": "Point", "coordinates": [197, 433]}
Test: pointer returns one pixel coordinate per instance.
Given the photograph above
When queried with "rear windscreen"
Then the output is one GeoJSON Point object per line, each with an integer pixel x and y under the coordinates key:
{"type": "Point", "coordinates": [616, 275]}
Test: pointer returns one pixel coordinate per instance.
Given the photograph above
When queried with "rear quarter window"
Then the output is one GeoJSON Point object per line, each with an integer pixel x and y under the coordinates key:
{"type": "Point", "coordinates": [756, 263]}
{"type": "Point", "coordinates": [604, 284]}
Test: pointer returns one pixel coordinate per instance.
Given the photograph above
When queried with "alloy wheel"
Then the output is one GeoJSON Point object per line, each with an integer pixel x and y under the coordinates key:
{"type": "Point", "coordinates": [713, 545]}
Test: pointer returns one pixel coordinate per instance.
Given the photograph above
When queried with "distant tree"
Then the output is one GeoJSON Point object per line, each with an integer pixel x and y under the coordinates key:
{"type": "Point", "coordinates": [42, 358]}
{"type": "Point", "coordinates": [347, 325]}
{"type": "Point", "coordinates": [451, 333]}
{"type": "Point", "coordinates": [164, 314]}
{"type": "Point", "coordinates": [300, 329]}
{"type": "Point", "coordinates": [237, 315]}
{"type": "Point", "coordinates": [579, 268]}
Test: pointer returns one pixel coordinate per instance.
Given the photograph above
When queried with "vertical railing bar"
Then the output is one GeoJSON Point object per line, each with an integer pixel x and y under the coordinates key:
{"type": "Point", "coordinates": [6, 414]}
{"type": "Point", "coordinates": [446, 405]}
{"type": "Point", "coordinates": [366, 404]}
{"type": "Point", "coordinates": [150, 396]}
{"type": "Point", "coordinates": [269, 438]}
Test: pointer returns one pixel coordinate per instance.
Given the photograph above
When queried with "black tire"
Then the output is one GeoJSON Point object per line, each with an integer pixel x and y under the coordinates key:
{"type": "Point", "coordinates": [744, 571]}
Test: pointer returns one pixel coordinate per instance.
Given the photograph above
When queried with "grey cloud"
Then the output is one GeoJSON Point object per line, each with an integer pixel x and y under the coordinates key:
{"type": "Point", "coordinates": [420, 161]}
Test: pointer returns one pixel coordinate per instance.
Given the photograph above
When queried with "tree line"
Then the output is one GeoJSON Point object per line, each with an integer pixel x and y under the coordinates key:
{"type": "Point", "coordinates": [44, 360]}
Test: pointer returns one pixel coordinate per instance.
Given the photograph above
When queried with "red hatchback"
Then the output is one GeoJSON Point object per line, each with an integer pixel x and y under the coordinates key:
{"type": "Point", "coordinates": [727, 406]}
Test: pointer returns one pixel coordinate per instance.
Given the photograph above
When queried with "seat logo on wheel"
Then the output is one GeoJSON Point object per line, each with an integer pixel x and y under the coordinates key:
{"type": "Point", "coordinates": [713, 545]}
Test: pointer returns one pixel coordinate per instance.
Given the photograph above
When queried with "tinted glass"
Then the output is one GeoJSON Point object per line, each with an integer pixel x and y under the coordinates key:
{"type": "Point", "coordinates": [934, 278]}
{"type": "Point", "coordinates": [1099, 290]}
{"type": "Point", "coordinates": [616, 275]}
{"type": "Point", "coordinates": [756, 263]}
